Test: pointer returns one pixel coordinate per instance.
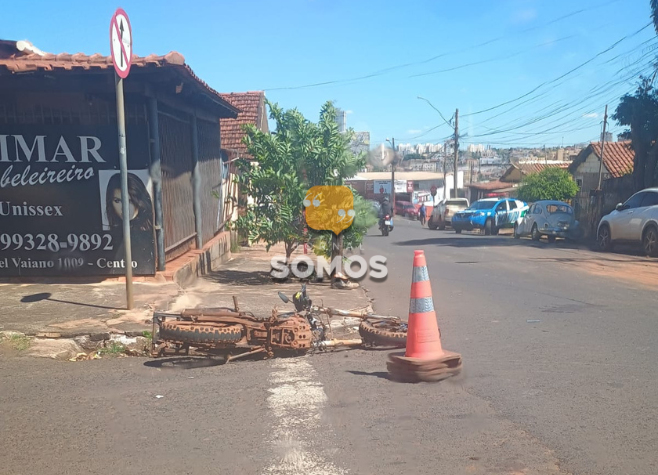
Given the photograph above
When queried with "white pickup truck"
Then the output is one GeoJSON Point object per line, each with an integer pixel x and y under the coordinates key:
{"type": "Point", "coordinates": [442, 213]}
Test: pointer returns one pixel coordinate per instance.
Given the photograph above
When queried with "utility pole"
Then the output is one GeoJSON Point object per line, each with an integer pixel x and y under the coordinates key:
{"type": "Point", "coordinates": [605, 122]}
{"type": "Point", "coordinates": [392, 142]}
{"type": "Point", "coordinates": [456, 150]}
{"type": "Point", "coordinates": [393, 176]}
{"type": "Point", "coordinates": [445, 183]}
{"type": "Point", "coordinates": [596, 215]}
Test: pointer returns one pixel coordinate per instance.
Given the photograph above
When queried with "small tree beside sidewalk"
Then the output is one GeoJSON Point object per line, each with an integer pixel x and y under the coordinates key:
{"type": "Point", "coordinates": [549, 184]}
{"type": "Point", "coordinates": [298, 155]}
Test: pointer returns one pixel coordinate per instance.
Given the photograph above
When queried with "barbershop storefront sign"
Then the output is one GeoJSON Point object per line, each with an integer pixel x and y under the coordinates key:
{"type": "Point", "coordinates": [60, 201]}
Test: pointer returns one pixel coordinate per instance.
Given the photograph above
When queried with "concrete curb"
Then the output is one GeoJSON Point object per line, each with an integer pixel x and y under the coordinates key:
{"type": "Point", "coordinates": [65, 346]}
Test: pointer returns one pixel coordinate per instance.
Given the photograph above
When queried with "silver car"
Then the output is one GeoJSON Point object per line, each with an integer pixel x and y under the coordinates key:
{"type": "Point", "coordinates": [548, 218]}
{"type": "Point", "coordinates": [632, 222]}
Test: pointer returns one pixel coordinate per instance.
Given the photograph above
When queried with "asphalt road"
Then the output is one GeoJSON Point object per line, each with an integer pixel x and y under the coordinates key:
{"type": "Point", "coordinates": [559, 377]}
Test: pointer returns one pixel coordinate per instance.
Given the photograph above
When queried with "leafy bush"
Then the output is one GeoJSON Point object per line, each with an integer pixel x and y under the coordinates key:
{"type": "Point", "coordinates": [549, 184]}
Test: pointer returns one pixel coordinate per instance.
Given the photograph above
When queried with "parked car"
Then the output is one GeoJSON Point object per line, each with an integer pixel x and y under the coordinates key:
{"type": "Point", "coordinates": [632, 222]}
{"type": "Point", "coordinates": [490, 214]}
{"type": "Point", "coordinates": [443, 212]}
{"type": "Point", "coordinates": [548, 218]}
{"type": "Point", "coordinates": [406, 209]}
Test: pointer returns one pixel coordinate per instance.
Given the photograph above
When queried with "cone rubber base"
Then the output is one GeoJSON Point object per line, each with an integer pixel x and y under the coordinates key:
{"type": "Point", "coordinates": [414, 370]}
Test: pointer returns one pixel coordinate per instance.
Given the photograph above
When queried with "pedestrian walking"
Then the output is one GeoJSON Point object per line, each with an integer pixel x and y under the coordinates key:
{"type": "Point", "coordinates": [422, 213]}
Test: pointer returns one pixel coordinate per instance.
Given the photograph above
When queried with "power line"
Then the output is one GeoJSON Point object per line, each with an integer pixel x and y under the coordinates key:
{"type": "Point", "coordinates": [610, 48]}
{"type": "Point", "coordinates": [536, 98]}
{"type": "Point", "coordinates": [562, 106]}
{"type": "Point", "coordinates": [555, 86]}
{"type": "Point", "coordinates": [449, 123]}
{"type": "Point", "coordinates": [492, 60]}
{"type": "Point", "coordinates": [442, 55]}
{"type": "Point", "coordinates": [600, 90]}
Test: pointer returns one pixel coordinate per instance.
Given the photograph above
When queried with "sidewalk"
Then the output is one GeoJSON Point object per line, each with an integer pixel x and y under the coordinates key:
{"type": "Point", "coordinates": [80, 308]}
{"type": "Point", "coordinates": [74, 310]}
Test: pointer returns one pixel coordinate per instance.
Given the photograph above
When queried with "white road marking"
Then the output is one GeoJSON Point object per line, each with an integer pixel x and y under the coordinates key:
{"type": "Point", "coordinates": [296, 401]}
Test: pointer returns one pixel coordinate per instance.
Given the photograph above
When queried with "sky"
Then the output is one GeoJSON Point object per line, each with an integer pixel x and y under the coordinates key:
{"type": "Point", "coordinates": [521, 72]}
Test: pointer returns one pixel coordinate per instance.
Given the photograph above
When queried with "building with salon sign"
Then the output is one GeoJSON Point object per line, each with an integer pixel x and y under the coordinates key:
{"type": "Point", "coordinates": [60, 200]}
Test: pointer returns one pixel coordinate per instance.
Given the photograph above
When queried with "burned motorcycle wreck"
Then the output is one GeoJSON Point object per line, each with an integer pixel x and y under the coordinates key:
{"type": "Point", "coordinates": [235, 334]}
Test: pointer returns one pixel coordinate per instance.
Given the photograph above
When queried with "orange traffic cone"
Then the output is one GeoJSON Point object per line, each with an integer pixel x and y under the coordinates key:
{"type": "Point", "coordinates": [423, 337]}
{"type": "Point", "coordinates": [424, 358]}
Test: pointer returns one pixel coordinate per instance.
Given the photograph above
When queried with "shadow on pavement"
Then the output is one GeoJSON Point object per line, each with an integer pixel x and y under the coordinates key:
{"type": "Point", "coordinates": [46, 296]}
{"type": "Point", "coordinates": [185, 362]}
{"type": "Point", "coordinates": [46, 280]}
{"type": "Point", "coordinates": [486, 241]}
{"type": "Point", "coordinates": [238, 277]}
{"type": "Point", "coordinates": [377, 374]}
{"type": "Point", "coordinates": [620, 253]}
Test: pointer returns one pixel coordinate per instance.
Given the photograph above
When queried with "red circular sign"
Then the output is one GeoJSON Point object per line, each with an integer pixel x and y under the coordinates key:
{"type": "Point", "coordinates": [121, 43]}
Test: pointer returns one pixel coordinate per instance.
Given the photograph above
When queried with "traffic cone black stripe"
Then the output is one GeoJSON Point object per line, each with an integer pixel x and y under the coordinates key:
{"type": "Point", "coordinates": [421, 305]}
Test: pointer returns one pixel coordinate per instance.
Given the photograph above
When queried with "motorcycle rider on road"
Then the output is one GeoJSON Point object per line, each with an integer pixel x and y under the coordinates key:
{"type": "Point", "coordinates": [384, 210]}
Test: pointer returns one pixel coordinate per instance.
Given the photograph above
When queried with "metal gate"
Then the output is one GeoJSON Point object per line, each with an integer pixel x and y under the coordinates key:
{"type": "Point", "coordinates": [210, 167]}
{"type": "Point", "coordinates": [175, 133]}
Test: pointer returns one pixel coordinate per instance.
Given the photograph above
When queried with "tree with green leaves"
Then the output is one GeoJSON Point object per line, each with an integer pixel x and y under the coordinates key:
{"type": "Point", "coordinates": [549, 184]}
{"type": "Point", "coordinates": [299, 154]}
{"type": "Point", "coordinates": [639, 112]}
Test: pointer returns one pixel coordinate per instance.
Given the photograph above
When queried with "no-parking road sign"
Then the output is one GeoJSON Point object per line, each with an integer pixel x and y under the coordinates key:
{"type": "Point", "coordinates": [121, 42]}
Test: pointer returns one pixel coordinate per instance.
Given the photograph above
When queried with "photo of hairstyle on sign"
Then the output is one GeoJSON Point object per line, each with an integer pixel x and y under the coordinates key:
{"type": "Point", "coordinates": [141, 216]}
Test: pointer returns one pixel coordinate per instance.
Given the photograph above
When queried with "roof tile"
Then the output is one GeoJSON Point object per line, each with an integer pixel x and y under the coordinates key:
{"type": "Point", "coordinates": [252, 111]}
{"type": "Point", "coordinates": [489, 185]}
{"type": "Point", "coordinates": [530, 168]}
{"type": "Point", "coordinates": [618, 157]}
{"type": "Point", "coordinates": [16, 62]}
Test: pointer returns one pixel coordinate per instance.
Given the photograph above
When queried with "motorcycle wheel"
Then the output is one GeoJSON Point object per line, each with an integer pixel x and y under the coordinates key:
{"type": "Point", "coordinates": [383, 333]}
{"type": "Point", "coordinates": [201, 333]}
{"type": "Point", "coordinates": [385, 231]}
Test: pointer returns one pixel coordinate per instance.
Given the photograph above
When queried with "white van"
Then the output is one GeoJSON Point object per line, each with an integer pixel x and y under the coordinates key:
{"type": "Point", "coordinates": [442, 213]}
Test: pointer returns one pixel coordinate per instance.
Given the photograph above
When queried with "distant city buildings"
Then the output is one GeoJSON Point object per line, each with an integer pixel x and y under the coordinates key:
{"type": "Point", "coordinates": [421, 149]}
{"type": "Point", "coordinates": [472, 148]}
{"type": "Point", "coordinates": [361, 141]}
{"type": "Point", "coordinates": [341, 120]}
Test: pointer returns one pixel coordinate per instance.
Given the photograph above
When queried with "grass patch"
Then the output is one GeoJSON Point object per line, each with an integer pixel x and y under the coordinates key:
{"type": "Point", "coordinates": [20, 342]}
{"type": "Point", "coordinates": [113, 349]}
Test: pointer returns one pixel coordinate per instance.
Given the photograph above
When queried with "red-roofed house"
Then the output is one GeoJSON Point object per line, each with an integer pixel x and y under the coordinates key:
{"type": "Point", "coordinates": [253, 111]}
{"type": "Point", "coordinates": [618, 160]}
{"type": "Point", "coordinates": [490, 189]}
{"type": "Point", "coordinates": [59, 149]}
{"type": "Point", "coordinates": [516, 172]}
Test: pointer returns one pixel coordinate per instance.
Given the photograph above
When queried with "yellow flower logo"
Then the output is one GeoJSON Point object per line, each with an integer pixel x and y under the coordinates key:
{"type": "Point", "coordinates": [329, 208]}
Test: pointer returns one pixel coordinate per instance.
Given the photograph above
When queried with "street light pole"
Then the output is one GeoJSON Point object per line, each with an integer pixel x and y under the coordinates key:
{"type": "Point", "coordinates": [392, 142]}
{"type": "Point", "coordinates": [454, 182]}
{"type": "Point", "coordinates": [393, 177]}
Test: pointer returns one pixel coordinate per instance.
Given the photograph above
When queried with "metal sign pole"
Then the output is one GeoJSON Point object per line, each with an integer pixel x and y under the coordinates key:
{"type": "Point", "coordinates": [125, 198]}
